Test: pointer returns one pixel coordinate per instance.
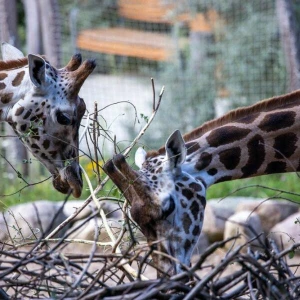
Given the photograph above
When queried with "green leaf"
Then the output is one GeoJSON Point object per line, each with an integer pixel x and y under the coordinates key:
{"type": "Point", "coordinates": [292, 254]}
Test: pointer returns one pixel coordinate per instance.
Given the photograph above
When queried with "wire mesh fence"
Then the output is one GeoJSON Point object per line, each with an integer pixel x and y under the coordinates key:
{"type": "Point", "coordinates": [210, 56]}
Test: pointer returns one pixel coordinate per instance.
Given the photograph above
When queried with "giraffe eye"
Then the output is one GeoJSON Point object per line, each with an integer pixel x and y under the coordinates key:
{"type": "Point", "coordinates": [63, 119]}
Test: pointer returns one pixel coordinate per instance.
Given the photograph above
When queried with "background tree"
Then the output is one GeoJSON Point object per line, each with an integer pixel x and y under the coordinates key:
{"type": "Point", "coordinates": [43, 29]}
{"type": "Point", "coordinates": [290, 37]}
{"type": "Point", "coordinates": [9, 33]}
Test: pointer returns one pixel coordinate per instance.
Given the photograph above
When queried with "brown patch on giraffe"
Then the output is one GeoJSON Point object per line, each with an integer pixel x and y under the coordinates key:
{"type": "Point", "coordinates": [3, 76]}
{"type": "Point", "coordinates": [44, 156]}
{"type": "Point", "coordinates": [19, 111]}
{"type": "Point", "coordinates": [192, 147]}
{"type": "Point", "coordinates": [195, 208]}
{"type": "Point", "coordinates": [277, 120]}
{"type": "Point", "coordinates": [183, 203]}
{"type": "Point", "coordinates": [187, 245]}
{"type": "Point", "coordinates": [257, 153]}
{"type": "Point", "coordinates": [53, 154]}
{"type": "Point", "coordinates": [248, 119]}
{"type": "Point", "coordinates": [18, 79]}
{"type": "Point", "coordinates": [159, 170]}
{"type": "Point", "coordinates": [35, 146]}
{"type": "Point", "coordinates": [202, 181]}
{"type": "Point", "coordinates": [212, 171]}
{"type": "Point", "coordinates": [204, 161]}
{"type": "Point", "coordinates": [187, 193]}
{"type": "Point", "coordinates": [230, 158]}
{"type": "Point", "coordinates": [195, 187]}
{"type": "Point", "coordinates": [196, 230]}
{"type": "Point", "coordinates": [224, 178]}
{"type": "Point", "coordinates": [275, 167]}
{"type": "Point", "coordinates": [27, 115]}
{"type": "Point", "coordinates": [202, 200]}
{"type": "Point", "coordinates": [6, 98]}
{"type": "Point", "coordinates": [186, 222]}
{"type": "Point", "coordinates": [298, 168]}
{"type": "Point", "coordinates": [226, 135]}
{"type": "Point", "coordinates": [46, 144]}
{"type": "Point", "coordinates": [2, 85]}
{"type": "Point", "coordinates": [201, 215]}
{"type": "Point", "coordinates": [23, 127]}
{"type": "Point", "coordinates": [285, 145]}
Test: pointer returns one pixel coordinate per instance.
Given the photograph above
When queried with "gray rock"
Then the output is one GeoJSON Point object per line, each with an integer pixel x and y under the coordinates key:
{"type": "Point", "coordinates": [30, 220]}
{"type": "Point", "coordinates": [248, 225]}
{"type": "Point", "coordinates": [287, 232]}
{"type": "Point", "coordinates": [111, 209]}
{"type": "Point", "coordinates": [234, 202]}
{"type": "Point", "coordinates": [86, 232]}
{"type": "Point", "coordinates": [215, 216]}
{"type": "Point", "coordinates": [3, 231]}
{"type": "Point", "coordinates": [270, 212]}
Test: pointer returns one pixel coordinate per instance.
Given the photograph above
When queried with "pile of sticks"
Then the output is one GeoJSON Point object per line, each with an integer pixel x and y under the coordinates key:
{"type": "Point", "coordinates": [39, 273]}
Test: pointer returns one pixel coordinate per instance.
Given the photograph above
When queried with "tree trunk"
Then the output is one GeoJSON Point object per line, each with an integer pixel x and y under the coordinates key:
{"type": "Point", "coordinates": [8, 22]}
{"type": "Point", "coordinates": [290, 35]}
{"type": "Point", "coordinates": [33, 27]}
{"type": "Point", "coordinates": [8, 33]}
{"type": "Point", "coordinates": [43, 30]}
{"type": "Point", "coordinates": [51, 30]}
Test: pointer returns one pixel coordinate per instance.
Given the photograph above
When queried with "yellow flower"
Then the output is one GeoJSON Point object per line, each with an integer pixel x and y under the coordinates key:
{"type": "Point", "coordinates": [91, 167]}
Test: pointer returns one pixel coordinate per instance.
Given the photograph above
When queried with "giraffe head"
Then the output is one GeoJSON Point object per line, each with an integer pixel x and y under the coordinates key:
{"type": "Point", "coordinates": [47, 118]}
{"type": "Point", "coordinates": [167, 203]}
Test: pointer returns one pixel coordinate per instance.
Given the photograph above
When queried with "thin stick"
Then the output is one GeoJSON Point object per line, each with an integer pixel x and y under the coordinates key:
{"type": "Point", "coordinates": [124, 263]}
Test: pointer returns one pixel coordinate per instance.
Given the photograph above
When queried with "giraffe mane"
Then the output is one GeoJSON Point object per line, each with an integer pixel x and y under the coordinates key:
{"type": "Point", "coordinates": [266, 105]}
{"type": "Point", "coordinates": [13, 64]}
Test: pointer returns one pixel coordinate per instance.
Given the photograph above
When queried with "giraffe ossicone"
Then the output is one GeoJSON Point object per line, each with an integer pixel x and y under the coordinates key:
{"type": "Point", "coordinates": [168, 192]}
{"type": "Point", "coordinates": [42, 105]}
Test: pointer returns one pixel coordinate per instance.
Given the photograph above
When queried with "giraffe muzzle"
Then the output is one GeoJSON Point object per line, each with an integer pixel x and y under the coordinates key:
{"type": "Point", "coordinates": [69, 179]}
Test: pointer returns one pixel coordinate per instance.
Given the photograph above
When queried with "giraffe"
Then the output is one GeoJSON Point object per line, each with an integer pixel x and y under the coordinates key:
{"type": "Point", "coordinates": [42, 105]}
{"type": "Point", "coordinates": [168, 192]}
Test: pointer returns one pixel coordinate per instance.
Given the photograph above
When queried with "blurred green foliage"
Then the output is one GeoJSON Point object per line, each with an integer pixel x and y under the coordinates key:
{"type": "Point", "coordinates": [281, 186]}
{"type": "Point", "coordinates": [20, 192]}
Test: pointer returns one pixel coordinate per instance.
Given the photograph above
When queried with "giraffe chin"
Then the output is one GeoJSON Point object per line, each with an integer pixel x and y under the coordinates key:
{"type": "Point", "coordinates": [68, 179]}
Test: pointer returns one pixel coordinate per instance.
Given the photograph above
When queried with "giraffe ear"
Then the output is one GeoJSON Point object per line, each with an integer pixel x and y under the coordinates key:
{"type": "Point", "coordinates": [140, 157]}
{"type": "Point", "coordinates": [175, 150]}
{"type": "Point", "coordinates": [37, 70]}
{"type": "Point", "coordinates": [10, 52]}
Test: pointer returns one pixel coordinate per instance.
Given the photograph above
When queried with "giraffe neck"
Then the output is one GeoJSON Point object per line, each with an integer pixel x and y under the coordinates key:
{"type": "Point", "coordinates": [258, 143]}
{"type": "Point", "coordinates": [14, 84]}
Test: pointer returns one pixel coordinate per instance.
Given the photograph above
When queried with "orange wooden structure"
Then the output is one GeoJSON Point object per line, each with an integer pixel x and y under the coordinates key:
{"type": "Point", "coordinates": [142, 44]}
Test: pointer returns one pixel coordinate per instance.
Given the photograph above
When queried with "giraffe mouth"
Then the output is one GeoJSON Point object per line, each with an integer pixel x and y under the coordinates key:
{"type": "Point", "coordinates": [69, 179]}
